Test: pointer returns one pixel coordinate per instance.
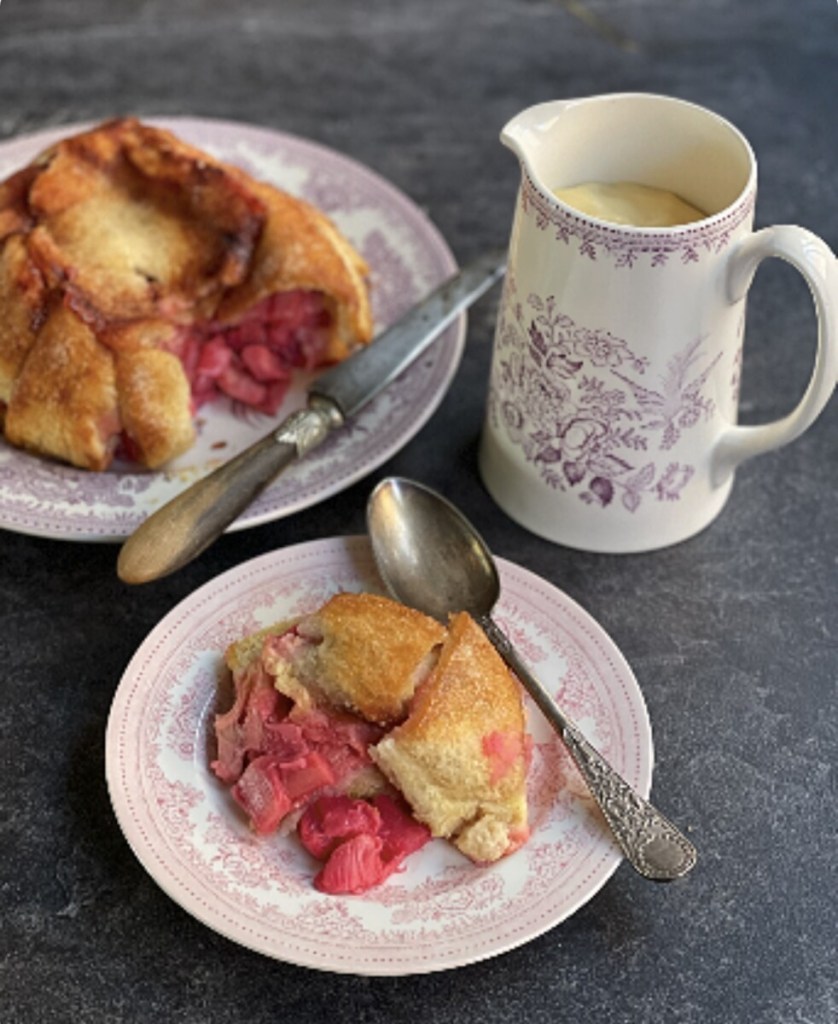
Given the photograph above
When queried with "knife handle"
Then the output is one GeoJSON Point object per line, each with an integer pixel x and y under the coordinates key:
{"type": "Point", "coordinates": [185, 526]}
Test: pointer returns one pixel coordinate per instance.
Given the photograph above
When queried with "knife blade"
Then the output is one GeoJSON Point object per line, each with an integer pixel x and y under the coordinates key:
{"type": "Point", "coordinates": [183, 528]}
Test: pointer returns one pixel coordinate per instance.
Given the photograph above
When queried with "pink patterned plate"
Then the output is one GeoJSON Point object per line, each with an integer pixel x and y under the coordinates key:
{"type": "Point", "coordinates": [441, 911]}
{"type": "Point", "coordinates": [407, 257]}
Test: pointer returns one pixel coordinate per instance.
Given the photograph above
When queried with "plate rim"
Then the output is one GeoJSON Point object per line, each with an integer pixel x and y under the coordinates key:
{"type": "Point", "coordinates": [167, 880]}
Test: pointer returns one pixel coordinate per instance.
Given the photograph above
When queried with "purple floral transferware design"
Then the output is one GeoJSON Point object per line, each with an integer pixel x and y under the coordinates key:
{"type": "Point", "coordinates": [407, 257]}
{"type": "Point", "coordinates": [568, 396]}
{"type": "Point", "coordinates": [627, 247]}
{"type": "Point", "coordinates": [441, 911]}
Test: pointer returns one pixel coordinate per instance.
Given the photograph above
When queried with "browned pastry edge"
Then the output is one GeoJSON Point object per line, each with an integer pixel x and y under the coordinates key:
{"type": "Point", "coordinates": [460, 758]}
{"type": "Point", "coordinates": [367, 655]}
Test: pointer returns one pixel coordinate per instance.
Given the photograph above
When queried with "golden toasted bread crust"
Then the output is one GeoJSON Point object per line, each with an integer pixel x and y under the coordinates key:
{"type": "Point", "coordinates": [368, 655]}
{"type": "Point", "coordinates": [139, 237]}
{"type": "Point", "coordinates": [64, 400]}
{"type": "Point", "coordinates": [300, 248]}
{"type": "Point", "coordinates": [22, 294]}
{"type": "Point", "coordinates": [460, 757]}
{"type": "Point", "coordinates": [154, 404]}
{"type": "Point", "coordinates": [15, 215]}
{"type": "Point", "coordinates": [132, 221]}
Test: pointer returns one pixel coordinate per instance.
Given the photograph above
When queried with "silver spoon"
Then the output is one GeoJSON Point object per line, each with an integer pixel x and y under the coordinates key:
{"type": "Point", "coordinates": [431, 558]}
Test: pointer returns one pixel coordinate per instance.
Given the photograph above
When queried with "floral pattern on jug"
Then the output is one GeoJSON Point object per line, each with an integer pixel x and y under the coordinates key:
{"type": "Point", "coordinates": [568, 396]}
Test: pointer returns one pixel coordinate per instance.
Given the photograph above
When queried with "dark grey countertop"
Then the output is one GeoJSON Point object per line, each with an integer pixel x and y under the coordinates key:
{"type": "Point", "coordinates": [732, 635]}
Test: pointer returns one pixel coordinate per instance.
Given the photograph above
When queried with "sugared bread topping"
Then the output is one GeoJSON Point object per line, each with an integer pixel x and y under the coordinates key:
{"type": "Point", "coordinates": [140, 277]}
{"type": "Point", "coordinates": [360, 652]}
{"type": "Point", "coordinates": [460, 758]}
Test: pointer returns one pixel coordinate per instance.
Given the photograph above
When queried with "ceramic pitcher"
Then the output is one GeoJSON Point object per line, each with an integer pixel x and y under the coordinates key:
{"type": "Point", "coordinates": [611, 422]}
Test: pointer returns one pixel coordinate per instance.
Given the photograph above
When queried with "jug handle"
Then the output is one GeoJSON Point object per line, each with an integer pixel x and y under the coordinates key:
{"type": "Point", "coordinates": [818, 265]}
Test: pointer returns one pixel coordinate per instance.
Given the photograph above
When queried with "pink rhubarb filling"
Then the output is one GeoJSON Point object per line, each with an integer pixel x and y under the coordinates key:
{"type": "Point", "coordinates": [277, 756]}
{"type": "Point", "coordinates": [252, 360]}
{"type": "Point", "coordinates": [362, 842]}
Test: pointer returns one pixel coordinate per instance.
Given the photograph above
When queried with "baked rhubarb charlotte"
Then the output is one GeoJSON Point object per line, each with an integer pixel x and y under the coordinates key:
{"type": "Point", "coordinates": [140, 278]}
{"type": "Point", "coordinates": [371, 728]}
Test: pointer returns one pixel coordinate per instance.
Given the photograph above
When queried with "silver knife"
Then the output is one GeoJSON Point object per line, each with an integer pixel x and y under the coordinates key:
{"type": "Point", "coordinates": [179, 531]}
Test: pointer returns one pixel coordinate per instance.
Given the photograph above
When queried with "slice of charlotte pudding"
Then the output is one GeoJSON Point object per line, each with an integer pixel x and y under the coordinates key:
{"type": "Point", "coordinates": [311, 698]}
{"type": "Point", "coordinates": [460, 758]}
{"type": "Point", "coordinates": [373, 728]}
{"type": "Point", "coordinates": [140, 277]}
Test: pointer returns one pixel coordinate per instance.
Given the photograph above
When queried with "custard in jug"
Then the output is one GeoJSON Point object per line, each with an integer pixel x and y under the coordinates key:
{"type": "Point", "coordinates": [627, 202]}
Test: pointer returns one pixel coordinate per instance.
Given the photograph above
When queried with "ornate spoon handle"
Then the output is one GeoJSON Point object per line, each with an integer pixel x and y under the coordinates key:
{"type": "Point", "coordinates": [650, 842]}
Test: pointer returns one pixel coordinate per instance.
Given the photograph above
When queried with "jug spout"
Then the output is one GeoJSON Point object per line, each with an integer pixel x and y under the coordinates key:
{"type": "Point", "coordinates": [532, 136]}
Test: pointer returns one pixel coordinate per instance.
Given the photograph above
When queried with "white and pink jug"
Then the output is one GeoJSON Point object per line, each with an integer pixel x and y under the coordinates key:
{"type": "Point", "coordinates": [611, 420]}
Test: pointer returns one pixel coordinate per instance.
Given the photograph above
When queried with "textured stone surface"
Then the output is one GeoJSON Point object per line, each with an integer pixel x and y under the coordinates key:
{"type": "Point", "coordinates": [733, 635]}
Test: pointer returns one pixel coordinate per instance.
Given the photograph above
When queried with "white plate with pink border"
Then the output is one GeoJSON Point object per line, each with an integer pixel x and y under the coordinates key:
{"type": "Point", "coordinates": [441, 911]}
{"type": "Point", "coordinates": [407, 257]}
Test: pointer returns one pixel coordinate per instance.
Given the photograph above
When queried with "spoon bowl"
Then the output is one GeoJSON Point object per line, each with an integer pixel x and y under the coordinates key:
{"type": "Point", "coordinates": [428, 553]}
{"type": "Point", "coordinates": [431, 558]}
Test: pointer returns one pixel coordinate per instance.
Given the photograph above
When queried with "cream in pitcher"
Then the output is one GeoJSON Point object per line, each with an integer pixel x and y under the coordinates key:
{"type": "Point", "coordinates": [611, 423]}
{"type": "Point", "coordinates": [629, 202]}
